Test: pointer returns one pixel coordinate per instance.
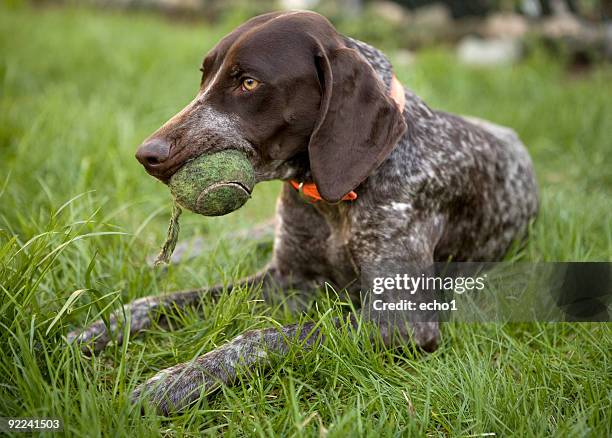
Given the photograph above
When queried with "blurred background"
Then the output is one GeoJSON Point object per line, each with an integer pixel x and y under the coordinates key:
{"type": "Point", "coordinates": [483, 31]}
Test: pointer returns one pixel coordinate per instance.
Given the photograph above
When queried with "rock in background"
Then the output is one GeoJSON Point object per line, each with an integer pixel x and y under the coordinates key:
{"type": "Point", "coordinates": [489, 52]}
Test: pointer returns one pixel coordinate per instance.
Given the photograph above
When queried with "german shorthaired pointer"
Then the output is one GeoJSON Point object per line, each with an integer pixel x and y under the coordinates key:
{"type": "Point", "coordinates": [325, 113]}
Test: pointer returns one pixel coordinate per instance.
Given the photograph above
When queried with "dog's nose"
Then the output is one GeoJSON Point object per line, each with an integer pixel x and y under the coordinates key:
{"type": "Point", "coordinates": [153, 153]}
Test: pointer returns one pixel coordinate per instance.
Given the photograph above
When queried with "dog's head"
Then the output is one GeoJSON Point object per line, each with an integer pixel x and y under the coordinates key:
{"type": "Point", "coordinates": [284, 89]}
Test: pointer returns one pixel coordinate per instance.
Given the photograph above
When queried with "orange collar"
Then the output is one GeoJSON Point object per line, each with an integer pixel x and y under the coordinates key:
{"type": "Point", "coordinates": [311, 194]}
{"type": "Point", "coordinates": [309, 190]}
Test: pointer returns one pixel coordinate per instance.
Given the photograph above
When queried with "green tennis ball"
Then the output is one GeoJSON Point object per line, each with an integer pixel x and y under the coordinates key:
{"type": "Point", "coordinates": [214, 184]}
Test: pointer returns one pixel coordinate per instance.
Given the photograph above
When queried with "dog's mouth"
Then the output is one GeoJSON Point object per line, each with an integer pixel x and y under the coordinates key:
{"type": "Point", "coordinates": [165, 170]}
{"type": "Point", "coordinates": [170, 171]}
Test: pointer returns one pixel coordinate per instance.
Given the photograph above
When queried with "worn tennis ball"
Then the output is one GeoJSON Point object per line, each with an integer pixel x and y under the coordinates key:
{"type": "Point", "coordinates": [214, 184]}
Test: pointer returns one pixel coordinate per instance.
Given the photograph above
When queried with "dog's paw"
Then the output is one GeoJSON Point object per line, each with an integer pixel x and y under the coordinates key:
{"type": "Point", "coordinates": [175, 388]}
{"type": "Point", "coordinates": [95, 337]}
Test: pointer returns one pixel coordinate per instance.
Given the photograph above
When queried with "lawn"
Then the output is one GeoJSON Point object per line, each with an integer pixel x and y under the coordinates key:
{"type": "Point", "coordinates": [80, 89]}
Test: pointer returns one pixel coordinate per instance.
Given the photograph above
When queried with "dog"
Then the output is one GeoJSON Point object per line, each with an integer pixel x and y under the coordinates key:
{"type": "Point", "coordinates": [375, 179]}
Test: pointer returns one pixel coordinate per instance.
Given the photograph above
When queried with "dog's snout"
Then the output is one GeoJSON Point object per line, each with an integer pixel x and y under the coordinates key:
{"type": "Point", "coordinates": [153, 153]}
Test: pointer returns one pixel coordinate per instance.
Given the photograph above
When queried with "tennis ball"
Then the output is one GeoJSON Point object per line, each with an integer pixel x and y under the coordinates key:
{"type": "Point", "coordinates": [214, 184]}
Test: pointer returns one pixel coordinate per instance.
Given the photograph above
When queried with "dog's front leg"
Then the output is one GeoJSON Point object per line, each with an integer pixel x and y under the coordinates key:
{"type": "Point", "coordinates": [174, 388]}
{"type": "Point", "coordinates": [390, 259]}
{"type": "Point", "coordinates": [142, 313]}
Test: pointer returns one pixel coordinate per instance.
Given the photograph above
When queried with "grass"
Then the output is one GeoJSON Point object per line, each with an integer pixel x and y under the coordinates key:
{"type": "Point", "coordinates": [78, 216]}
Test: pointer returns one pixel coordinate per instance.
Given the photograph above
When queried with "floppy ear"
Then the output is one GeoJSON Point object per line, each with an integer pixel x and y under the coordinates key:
{"type": "Point", "coordinates": [358, 125]}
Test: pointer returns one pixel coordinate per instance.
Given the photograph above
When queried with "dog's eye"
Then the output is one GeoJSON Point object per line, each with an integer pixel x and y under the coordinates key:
{"type": "Point", "coordinates": [249, 84]}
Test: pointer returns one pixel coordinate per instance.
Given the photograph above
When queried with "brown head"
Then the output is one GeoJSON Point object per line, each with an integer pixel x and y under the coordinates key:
{"type": "Point", "coordinates": [284, 89]}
